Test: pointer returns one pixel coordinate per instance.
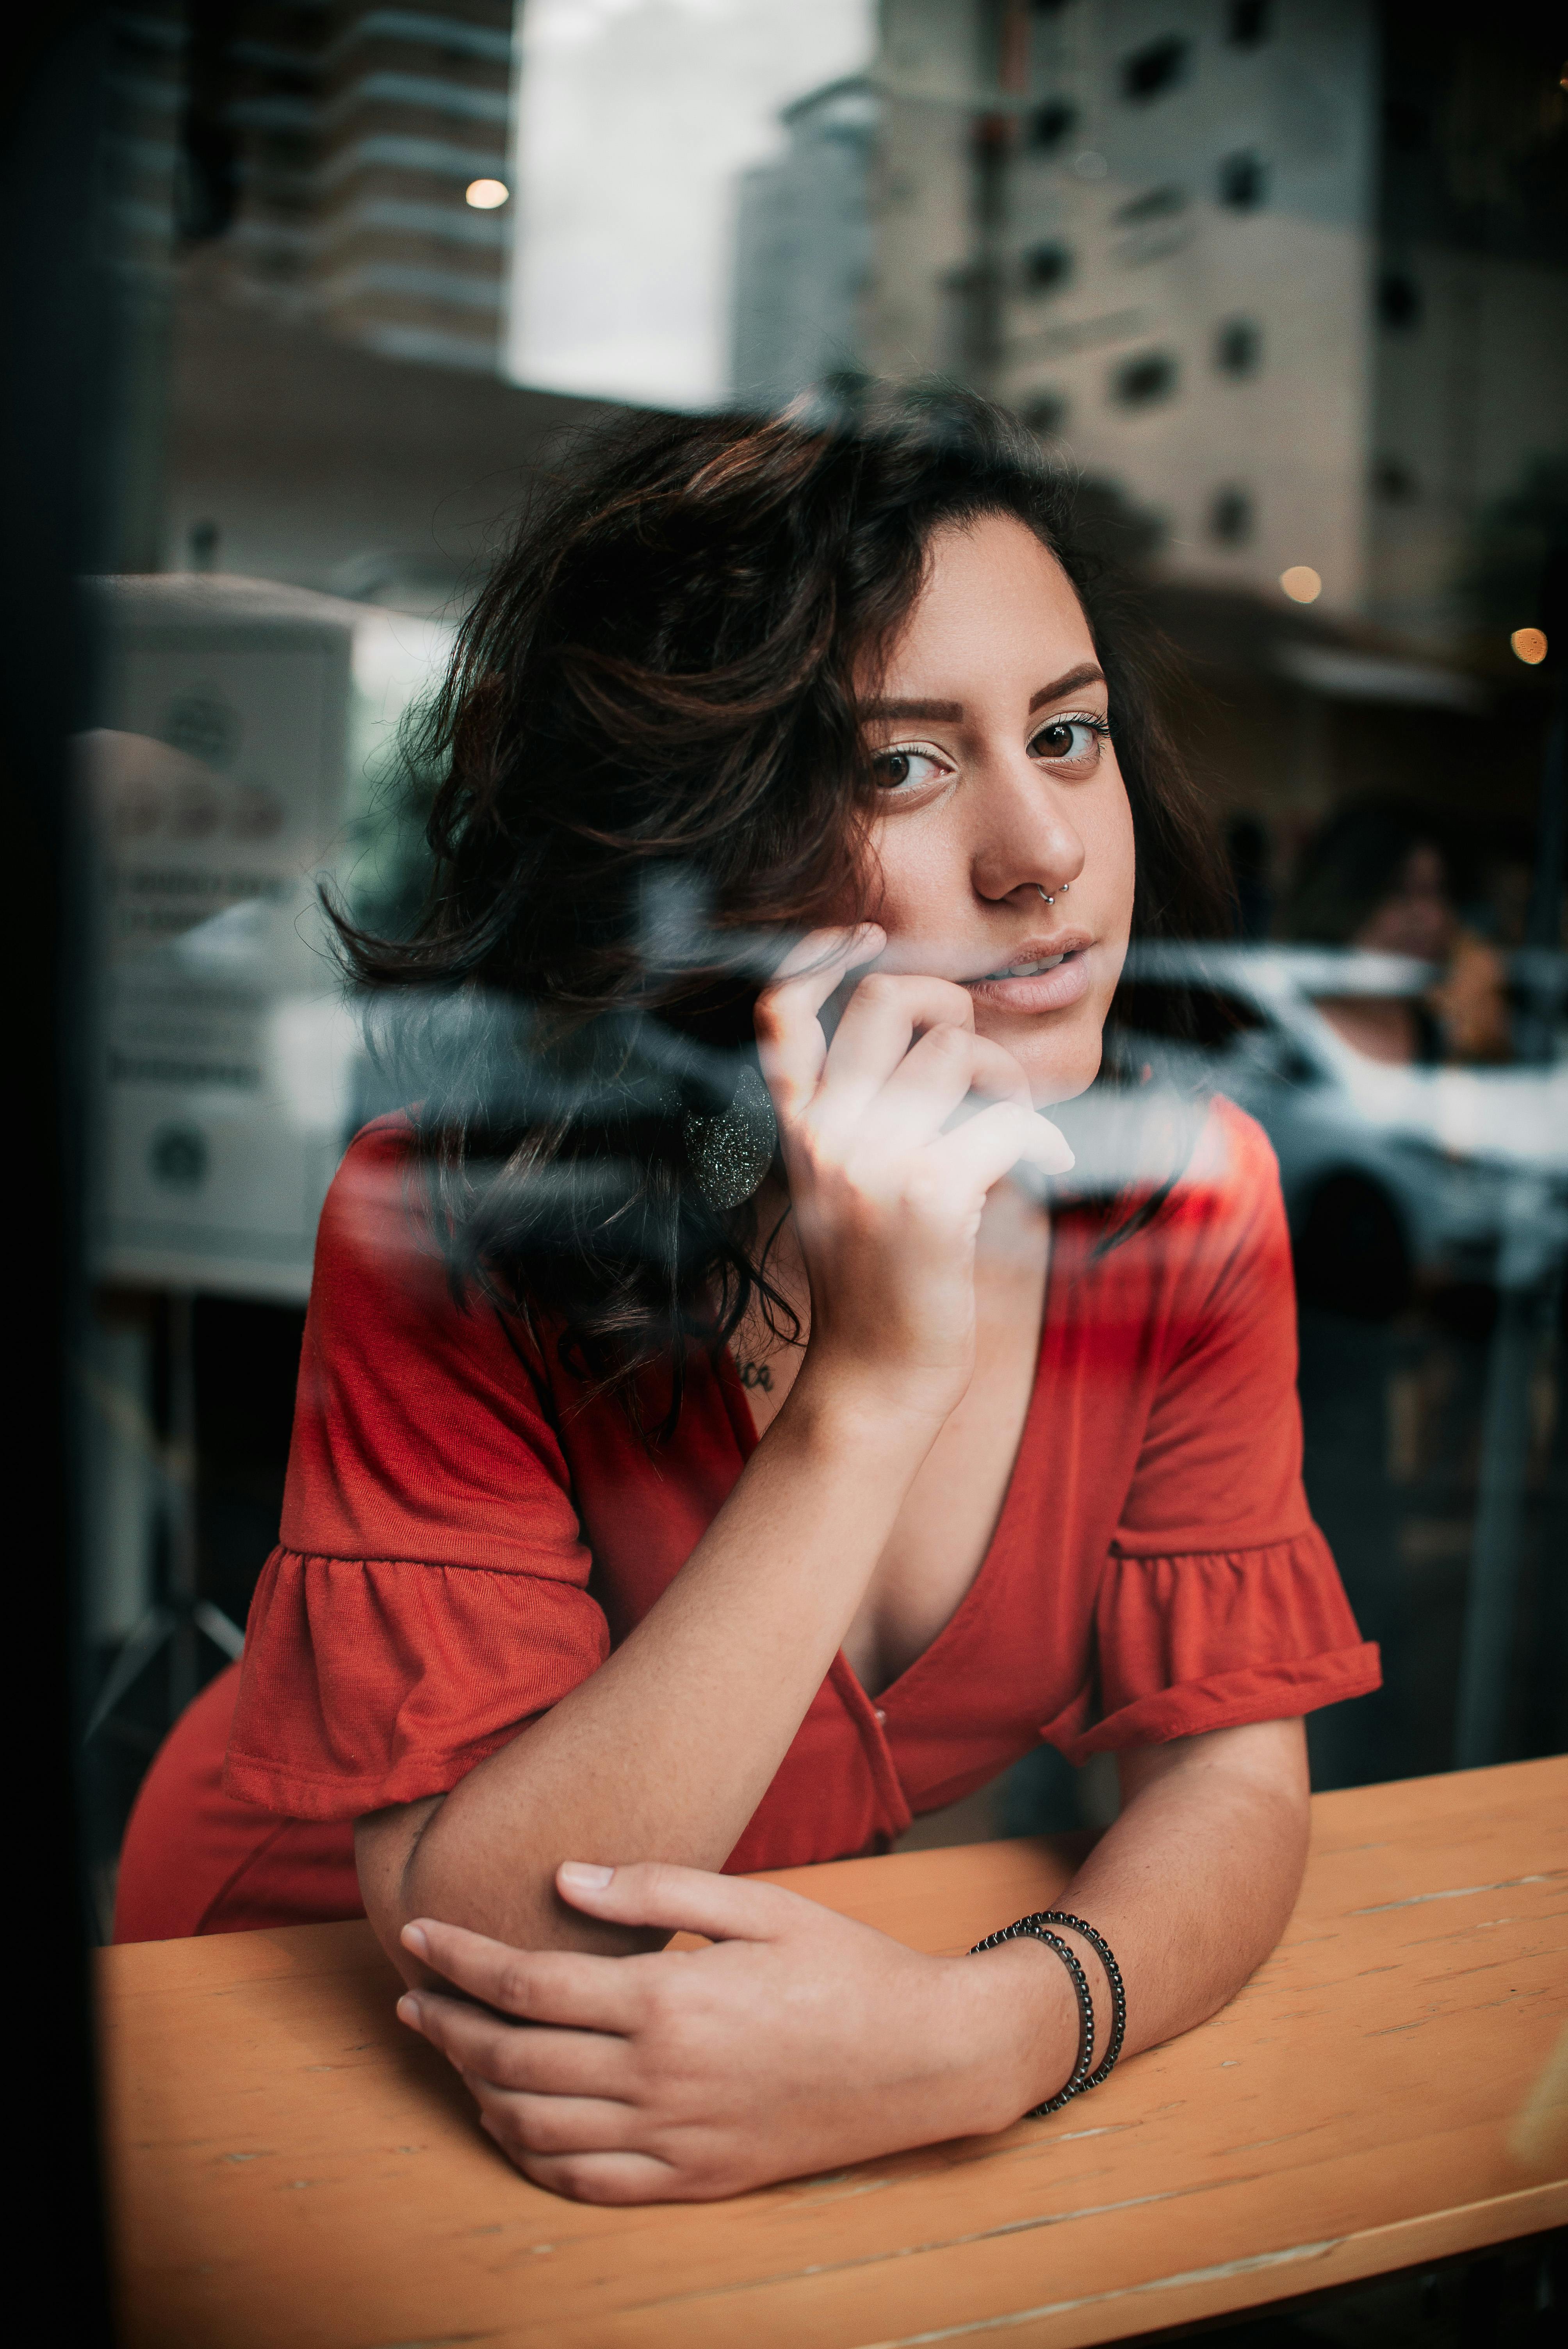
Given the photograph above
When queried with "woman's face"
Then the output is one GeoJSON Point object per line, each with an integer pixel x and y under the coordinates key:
{"type": "Point", "coordinates": [1001, 789]}
{"type": "Point", "coordinates": [1417, 917]}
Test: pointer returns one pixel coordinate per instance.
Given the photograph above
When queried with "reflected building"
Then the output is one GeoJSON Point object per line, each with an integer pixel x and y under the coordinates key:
{"type": "Point", "coordinates": [1291, 276]}
{"type": "Point", "coordinates": [803, 247]}
{"type": "Point", "coordinates": [313, 158]}
{"type": "Point", "coordinates": [1168, 215]}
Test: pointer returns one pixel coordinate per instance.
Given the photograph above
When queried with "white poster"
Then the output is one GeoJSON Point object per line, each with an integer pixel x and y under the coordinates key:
{"type": "Point", "coordinates": [252, 726]}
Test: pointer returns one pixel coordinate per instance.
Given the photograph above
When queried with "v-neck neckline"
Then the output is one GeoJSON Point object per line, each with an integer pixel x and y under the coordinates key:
{"type": "Point", "coordinates": [738, 1411]}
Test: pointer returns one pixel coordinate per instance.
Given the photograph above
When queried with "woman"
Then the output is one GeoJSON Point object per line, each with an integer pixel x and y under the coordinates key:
{"type": "Point", "coordinates": [684, 1484]}
{"type": "Point", "coordinates": [1374, 878]}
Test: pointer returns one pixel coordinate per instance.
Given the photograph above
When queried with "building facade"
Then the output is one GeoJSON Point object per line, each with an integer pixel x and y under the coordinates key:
{"type": "Point", "coordinates": [1163, 258]}
{"type": "Point", "coordinates": [316, 157]}
{"type": "Point", "coordinates": [803, 247]}
{"type": "Point", "coordinates": [1289, 275]}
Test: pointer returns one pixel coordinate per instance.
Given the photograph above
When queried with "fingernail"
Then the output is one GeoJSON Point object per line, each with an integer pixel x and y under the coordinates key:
{"type": "Point", "coordinates": [584, 1876]}
{"type": "Point", "coordinates": [409, 2011]}
{"type": "Point", "coordinates": [414, 1938]}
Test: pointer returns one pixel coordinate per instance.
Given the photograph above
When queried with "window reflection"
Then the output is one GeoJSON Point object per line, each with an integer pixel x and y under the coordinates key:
{"type": "Point", "coordinates": [381, 266]}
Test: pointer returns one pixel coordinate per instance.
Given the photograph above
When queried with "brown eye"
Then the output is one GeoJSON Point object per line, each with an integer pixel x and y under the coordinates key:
{"type": "Point", "coordinates": [905, 769]}
{"type": "Point", "coordinates": [1070, 741]}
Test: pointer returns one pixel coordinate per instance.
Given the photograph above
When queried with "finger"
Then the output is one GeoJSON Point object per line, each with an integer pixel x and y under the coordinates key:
{"type": "Point", "coordinates": [609, 2177]}
{"type": "Point", "coordinates": [563, 1986]}
{"type": "Point", "coordinates": [880, 1021]}
{"type": "Point", "coordinates": [791, 1044]}
{"type": "Point", "coordinates": [531, 2056]}
{"type": "Point", "coordinates": [990, 1143]}
{"type": "Point", "coordinates": [684, 1899]}
{"type": "Point", "coordinates": [557, 2124]}
{"type": "Point", "coordinates": [937, 1074]}
{"type": "Point", "coordinates": [934, 1076]}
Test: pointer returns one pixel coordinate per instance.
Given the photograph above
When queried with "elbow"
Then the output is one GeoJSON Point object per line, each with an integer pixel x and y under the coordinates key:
{"type": "Point", "coordinates": [411, 1866]}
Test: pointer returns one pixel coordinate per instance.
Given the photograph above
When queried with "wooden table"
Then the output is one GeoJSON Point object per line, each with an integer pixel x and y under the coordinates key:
{"type": "Point", "coordinates": [288, 2166]}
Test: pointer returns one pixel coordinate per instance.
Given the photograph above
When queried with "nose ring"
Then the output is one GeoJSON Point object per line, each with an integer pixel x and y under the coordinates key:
{"type": "Point", "coordinates": [1063, 886]}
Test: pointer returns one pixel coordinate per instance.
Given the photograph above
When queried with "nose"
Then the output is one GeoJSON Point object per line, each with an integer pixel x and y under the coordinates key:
{"type": "Point", "coordinates": [1024, 839]}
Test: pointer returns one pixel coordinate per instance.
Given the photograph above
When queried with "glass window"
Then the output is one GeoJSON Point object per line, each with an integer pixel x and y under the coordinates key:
{"type": "Point", "coordinates": [1150, 72]}
{"type": "Point", "coordinates": [1399, 303]}
{"type": "Point", "coordinates": [1046, 266]}
{"type": "Point", "coordinates": [1232, 517]}
{"type": "Point", "coordinates": [1248, 23]}
{"type": "Point", "coordinates": [1051, 124]}
{"type": "Point", "coordinates": [1243, 183]}
{"type": "Point", "coordinates": [1144, 381]}
{"type": "Point", "coordinates": [412, 809]}
{"type": "Point", "coordinates": [1044, 412]}
{"type": "Point", "coordinates": [1238, 347]}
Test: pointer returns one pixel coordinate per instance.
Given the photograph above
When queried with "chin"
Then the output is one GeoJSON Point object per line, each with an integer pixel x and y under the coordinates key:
{"type": "Point", "coordinates": [1059, 1062]}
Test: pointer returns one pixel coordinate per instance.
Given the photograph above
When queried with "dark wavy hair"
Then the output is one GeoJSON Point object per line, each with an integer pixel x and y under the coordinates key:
{"type": "Point", "coordinates": [652, 778]}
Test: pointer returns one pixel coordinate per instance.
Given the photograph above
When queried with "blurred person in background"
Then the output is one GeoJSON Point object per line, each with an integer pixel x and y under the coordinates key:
{"type": "Point", "coordinates": [706, 1458]}
{"type": "Point", "coordinates": [1375, 876]}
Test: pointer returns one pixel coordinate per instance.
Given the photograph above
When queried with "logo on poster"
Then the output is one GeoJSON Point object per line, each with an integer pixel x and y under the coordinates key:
{"type": "Point", "coordinates": [204, 725]}
{"type": "Point", "coordinates": [177, 1156]}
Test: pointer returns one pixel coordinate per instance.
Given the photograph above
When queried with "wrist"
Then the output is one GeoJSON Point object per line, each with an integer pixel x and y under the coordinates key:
{"type": "Point", "coordinates": [1017, 2021]}
{"type": "Point", "coordinates": [869, 1411]}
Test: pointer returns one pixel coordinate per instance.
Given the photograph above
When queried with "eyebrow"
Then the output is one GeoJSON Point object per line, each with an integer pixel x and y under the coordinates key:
{"type": "Point", "coordinates": [1073, 682]}
{"type": "Point", "coordinates": [938, 712]}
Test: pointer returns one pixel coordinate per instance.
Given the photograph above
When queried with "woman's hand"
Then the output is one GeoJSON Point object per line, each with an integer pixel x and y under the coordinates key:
{"type": "Point", "coordinates": [798, 2042]}
{"type": "Point", "coordinates": [887, 1194]}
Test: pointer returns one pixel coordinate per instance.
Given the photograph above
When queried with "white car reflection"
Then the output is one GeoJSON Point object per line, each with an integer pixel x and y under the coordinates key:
{"type": "Point", "coordinates": [1393, 1177]}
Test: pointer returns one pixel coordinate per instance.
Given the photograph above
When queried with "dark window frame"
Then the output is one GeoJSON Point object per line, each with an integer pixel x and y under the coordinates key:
{"type": "Point", "coordinates": [1155, 69]}
{"type": "Point", "coordinates": [1145, 381]}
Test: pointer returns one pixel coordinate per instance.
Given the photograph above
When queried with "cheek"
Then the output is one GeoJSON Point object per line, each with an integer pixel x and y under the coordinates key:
{"type": "Point", "coordinates": [1109, 853]}
{"type": "Point", "coordinates": [918, 874]}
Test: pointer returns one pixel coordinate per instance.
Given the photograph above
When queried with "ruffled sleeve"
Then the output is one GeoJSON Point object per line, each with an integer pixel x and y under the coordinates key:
{"type": "Point", "coordinates": [1220, 1602]}
{"type": "Point", "coordinates": [1211, 1640]}
{"type": "Point", "coordinates": [430, 1591]}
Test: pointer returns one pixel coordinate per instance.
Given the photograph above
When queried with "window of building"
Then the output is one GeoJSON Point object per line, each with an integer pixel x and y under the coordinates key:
{"type": "Point", "coordinates": [1406, 126]}
{"type": "Point", "coordinates": [1248, 23]}
{"type": "Point", "coordinates": [1156, 204]}
{"type": "Point", "coordinates": [1394, 483]}
{"type": "Point", "coordinates": [1044, 412]}
{"type": "Point", "coordinates": [1399, 300]}
{"type": "Point", "coordinates": [1232, 516]}
{"type": "Point", "coordinates": [1150, 72]}
{"type": "Point", "coordinates": [1144, 381]}
{"type": "Point", "coordinates": [1046, 266]}
{"type": "Point", "coordinates": [1238, 347]}
{"type": "Point", "coordinates": [1243, 181]}
{"type": "Point", "coordinates": [1050, 124]}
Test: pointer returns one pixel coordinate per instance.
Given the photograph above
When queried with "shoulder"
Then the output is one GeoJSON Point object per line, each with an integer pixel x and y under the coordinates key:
{"type": "Point", "coordinates": [1213, 1227]}
{"type": "Point", "coordinates": [374, 1198]}
{"type": "Point", "coordinates": [1234, 1174]}
{"type": "Point", "coordinates": [382, 1283]}
{"type": "Point", "coordinates": [1185, 1166]}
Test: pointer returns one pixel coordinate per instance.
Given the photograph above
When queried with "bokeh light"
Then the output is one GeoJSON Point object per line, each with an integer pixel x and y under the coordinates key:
{"type": "Point", "coordinates": [1301, 583]}
{"type": "Point", "coordinates": [1530, 645]}
{"type": "Point", "coordinates": [486, 195]}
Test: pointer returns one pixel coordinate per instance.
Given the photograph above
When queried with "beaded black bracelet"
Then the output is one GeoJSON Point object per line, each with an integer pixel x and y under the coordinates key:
{"type": "Point", "coordinates": [1101, 1949]}
{"type": "Point", "coordinates": [1036, 1930]}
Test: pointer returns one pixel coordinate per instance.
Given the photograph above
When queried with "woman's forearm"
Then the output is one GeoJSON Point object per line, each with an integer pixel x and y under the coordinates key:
{"type": "Point", "coordinates": [1194, 1884]}
{"type": "Point", "coordinates": [668, 1749]}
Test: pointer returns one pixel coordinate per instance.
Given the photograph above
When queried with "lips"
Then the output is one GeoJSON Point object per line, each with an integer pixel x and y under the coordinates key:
{"type": "Point", "coordinates": [1040, 975]}
{"type": "Point", "coordinates": [1030, 955]}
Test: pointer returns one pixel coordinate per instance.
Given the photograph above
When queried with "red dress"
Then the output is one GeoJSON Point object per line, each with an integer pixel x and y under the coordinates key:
{"type": "Point", "coordinates": [465, 1538]}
